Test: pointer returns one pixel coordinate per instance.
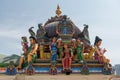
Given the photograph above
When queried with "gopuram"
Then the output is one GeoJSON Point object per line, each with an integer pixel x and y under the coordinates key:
{"type": "Point", "coordinates": [59, 46]}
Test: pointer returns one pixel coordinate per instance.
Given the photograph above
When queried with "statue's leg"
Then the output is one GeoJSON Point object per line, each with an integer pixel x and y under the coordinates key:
{"type": "Point", "coordinates": [80, 58]}
{"type": "Point", "coordinates": [54, 55]}
{"type": "Point", "coordinates": [78, 54]}
{"type": "Point", "coordinates": [105, 60]}
{"type": "Point", "coordinates": [29, 58]}
{"type": "Point", "coordinates": [21, 62]}
{"type": "Point", "coordinates": [63, 60]}
{"type": "Point", "coordinates": [70, 61]}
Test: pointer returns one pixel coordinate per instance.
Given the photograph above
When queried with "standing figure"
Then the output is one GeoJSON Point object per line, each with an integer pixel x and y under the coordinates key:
{"type": "Point", "coordinates": [73, 47]}
{"type": "Point", "coordinates": [53, 50]}
{"type": "Point", "coordinates": [65, 31]}
{"type": "Point", "coordinates": [80, 50]}
{"type": "Point", "coordinates": [67, 58]}
{"type": "Point", "coordinates": [59, 48]}
{"type": "Point", "coordinates": [99, 53]}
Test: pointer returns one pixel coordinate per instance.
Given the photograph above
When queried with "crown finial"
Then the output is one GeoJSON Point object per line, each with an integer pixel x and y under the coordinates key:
{"type": "Point", "coordinates": [58, 11]}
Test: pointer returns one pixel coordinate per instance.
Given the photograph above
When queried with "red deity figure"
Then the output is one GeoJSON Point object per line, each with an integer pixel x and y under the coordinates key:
{"type": "Point", "coordinates": [67, 58]}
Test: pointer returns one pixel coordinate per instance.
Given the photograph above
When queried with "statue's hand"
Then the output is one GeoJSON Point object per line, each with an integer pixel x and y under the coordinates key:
{"type": "Point", "coordinates": [30, 54]}
{"type": "Point", "coordinates": [105, 50]}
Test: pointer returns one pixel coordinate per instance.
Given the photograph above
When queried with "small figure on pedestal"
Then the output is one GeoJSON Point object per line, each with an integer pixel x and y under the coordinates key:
{"type": "Point", "coordinates": [85, 69]}
{"type": "Point", "coordinates": [29, 69]}
{"type": "Point", "coordinates": [11, 70]}
{"type": "Point", "coordinates": [53, 69]}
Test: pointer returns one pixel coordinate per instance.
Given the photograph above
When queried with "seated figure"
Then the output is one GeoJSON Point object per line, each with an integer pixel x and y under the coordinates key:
{"type": "Point", "coordinates": [99, 54]}
{"type": "Point", "coordinates": [31, 53]}
{"type": "Point", "coordinates": [67, 58]}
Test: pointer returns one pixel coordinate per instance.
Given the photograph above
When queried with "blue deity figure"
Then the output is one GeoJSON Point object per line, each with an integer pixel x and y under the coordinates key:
{"type": "Point", "coordinates": [53, 50]}
{"type": "Point", "coordinates": [65, 31]}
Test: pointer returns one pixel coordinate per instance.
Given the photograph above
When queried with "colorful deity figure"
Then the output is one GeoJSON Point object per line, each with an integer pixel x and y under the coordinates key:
{"type": "Point", "coordinates": [99, 53]}
{"type": "Point", "coordinates": [41, 48]}
{"type": "Point", "coordinates": [11, 70]}
{"type": "Point", "coordinates": [53, 50]}
{"type": "Point", "coordinates": [65, 31]}
{"type": "Point", "coordinates": [80, 50]}
{"type": "Point", "coordinates": [29, 69]}
{"type": "Point", "coordinates": [59, 48]}
{"type": "Point", "coordinates": [92, 51]}
{"type": "Point", "coordinates": [107, 69]}
{"type": "Point", "coordinates": [85, 69]}
{"type": "Point", "coordinates": [67, 58]}
{"type": "Point", "coordinates": [53, 69]}
{"type": "Point", "coordinates": [31, 53]}
{"type": "Point", "coordinates": [24, 44]}
{"type": "Point", "coordinates": [73, 47]}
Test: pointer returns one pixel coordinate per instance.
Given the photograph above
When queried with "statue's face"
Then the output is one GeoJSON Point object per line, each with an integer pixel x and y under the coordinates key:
{"type": "Point", "coordinates": [54, 39]}
{"type": "Point", "coordinates": [32, 41]}
{"type": "Point", "coordinates": [65, 46]}
{"type": "Point", "coordinates": [99, 43]}
{"type": "Point", "coordinates": [78, 40]}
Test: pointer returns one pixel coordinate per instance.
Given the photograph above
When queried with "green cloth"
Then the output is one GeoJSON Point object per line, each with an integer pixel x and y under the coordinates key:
{"type": "Point", "coordinates": [79, 52]}
{"type": "Point", "coordinates": [26, 57]}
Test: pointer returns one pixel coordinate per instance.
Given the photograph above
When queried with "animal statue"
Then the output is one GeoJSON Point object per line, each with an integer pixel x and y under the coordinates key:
{"type": "Point", "coordinates": [11, 70]}
{"type": "Point", "coordinates": [40, 32]}
{"type": "Point", "coordinates": [92, 50]}
{"type": "Point", "coordinates": [32, 33]}
{"type": "Point", "coordinates": [85, 32]}
{"type": "Point", "coordinates": [85, 36]}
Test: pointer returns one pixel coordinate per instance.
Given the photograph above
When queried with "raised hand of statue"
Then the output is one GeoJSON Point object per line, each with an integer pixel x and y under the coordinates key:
{"type": "Point", "coordinates": [105, 50]}
{"type": "Point", "coordinates": [57, 32]}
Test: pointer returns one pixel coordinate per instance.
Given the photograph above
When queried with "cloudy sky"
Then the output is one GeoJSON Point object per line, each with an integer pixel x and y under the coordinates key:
{"type": "Point", "coordinates": [102, 16]}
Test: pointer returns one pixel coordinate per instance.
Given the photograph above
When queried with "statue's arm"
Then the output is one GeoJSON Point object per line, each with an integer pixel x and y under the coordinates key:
{"type": "Point", "coordinates": [34, 50]}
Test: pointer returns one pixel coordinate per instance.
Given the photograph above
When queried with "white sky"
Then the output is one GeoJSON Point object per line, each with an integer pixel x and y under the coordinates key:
{"type": "Point", "coordinates": [102, 16]}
